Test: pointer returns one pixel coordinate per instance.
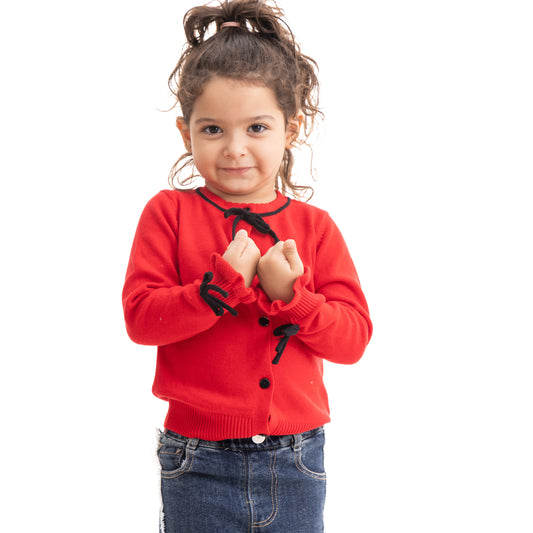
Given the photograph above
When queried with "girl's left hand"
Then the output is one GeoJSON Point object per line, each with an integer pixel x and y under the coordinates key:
{"type": "Point", "coordinates": [278, 269]}
{"type": "Point", "coordinates": [243, 255]}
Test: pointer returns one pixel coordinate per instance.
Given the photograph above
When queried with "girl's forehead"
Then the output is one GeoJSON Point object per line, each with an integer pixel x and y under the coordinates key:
{"type": "Point", "coordinates": [235, 98]}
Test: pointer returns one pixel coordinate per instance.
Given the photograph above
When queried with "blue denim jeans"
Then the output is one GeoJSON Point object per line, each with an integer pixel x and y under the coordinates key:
{"type": "Point", "coordinates": [240, 486]}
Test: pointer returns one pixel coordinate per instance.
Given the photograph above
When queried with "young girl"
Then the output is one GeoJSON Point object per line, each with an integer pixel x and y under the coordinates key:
{"type": "Point", "coordinates": [244, 291]}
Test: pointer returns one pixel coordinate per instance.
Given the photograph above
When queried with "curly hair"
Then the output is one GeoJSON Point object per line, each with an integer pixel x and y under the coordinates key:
{"type": "Point", "coordinates": [258, 47]}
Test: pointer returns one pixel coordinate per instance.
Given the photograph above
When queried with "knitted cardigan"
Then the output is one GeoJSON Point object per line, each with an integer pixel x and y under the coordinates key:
{"type": "Point", "coordinates": [230, 362]}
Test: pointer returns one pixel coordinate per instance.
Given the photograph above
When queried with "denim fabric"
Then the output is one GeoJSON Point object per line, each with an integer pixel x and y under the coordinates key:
{"type": "Point", "coordinates": [238, 486]}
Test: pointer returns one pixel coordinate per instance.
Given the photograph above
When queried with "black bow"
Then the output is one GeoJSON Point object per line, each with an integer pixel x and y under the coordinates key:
{"type": "Point", "coordinates": [254, 219]}
{"type": "Point", "coordinates": [287, 330]}
{"type": "Point", "coordinates": [216, 304]}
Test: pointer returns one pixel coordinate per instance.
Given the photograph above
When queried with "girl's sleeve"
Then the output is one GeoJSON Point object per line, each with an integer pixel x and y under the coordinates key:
{"type": "Point", "coordinates": [158, 308]}
{"type": "Point", "coordinates": [328, 305]}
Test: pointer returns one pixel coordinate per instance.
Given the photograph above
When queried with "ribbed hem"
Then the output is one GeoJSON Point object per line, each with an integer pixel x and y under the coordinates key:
{"type": "Point", "coordinates": [193, 422]}
{"type": "Point", "coordinates": [293, 428]}
{"type": "Point", "coordinates": [203, 424]}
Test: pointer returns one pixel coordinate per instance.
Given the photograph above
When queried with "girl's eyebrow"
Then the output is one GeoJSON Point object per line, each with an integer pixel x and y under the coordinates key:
{"type": "Point", "coordinates": [260, 118]}
{"type": "Point", "coordinates": [203, 120]}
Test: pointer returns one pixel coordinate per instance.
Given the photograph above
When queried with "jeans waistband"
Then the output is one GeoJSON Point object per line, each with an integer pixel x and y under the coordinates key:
{"type": "Point", "coordinates": [270, 441]}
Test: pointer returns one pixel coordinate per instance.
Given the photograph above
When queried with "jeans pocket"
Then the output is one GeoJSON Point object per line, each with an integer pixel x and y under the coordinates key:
{"type": "Point", "coordinates": [174, 456]}
{"type": "Point", "coordinates": [309, 456]}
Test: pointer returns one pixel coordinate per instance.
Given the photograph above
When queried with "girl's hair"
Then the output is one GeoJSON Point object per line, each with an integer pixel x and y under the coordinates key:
{"type": "Point", "coordinates": [260, 50]}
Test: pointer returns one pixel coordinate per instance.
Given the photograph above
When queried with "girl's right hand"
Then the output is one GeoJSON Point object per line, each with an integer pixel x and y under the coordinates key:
{"type": "Point", "coordinates": [243, 255]}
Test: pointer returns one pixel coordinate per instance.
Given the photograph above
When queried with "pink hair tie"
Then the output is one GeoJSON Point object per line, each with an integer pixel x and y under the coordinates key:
{"type": "Point", "coordinates": [230, 25]}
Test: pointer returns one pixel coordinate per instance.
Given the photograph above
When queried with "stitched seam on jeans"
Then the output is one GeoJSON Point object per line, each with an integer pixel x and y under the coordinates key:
{"type": "Point", "coordinates": [249, 502]}
{"type": "Point", "coordinates": [273, 493]}
{"type": "Point", "coordinates": [304, 470]}
{"type": "Point", "coordinates": [186, 467]}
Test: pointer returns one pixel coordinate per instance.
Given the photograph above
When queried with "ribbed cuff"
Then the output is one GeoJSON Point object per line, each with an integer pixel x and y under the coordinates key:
{"type": "Point", "coordinates": [228, 279]}
{"type": "Point", "coordinates": [304, 304]}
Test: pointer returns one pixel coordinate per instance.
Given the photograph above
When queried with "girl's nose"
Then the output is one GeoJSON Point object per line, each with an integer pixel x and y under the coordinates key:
{"type": "Point", "coordinates": [235, 147]}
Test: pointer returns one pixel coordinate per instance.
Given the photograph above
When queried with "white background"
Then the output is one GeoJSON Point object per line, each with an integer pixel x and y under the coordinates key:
{"type": "Point", "coordinates": [424, 161]}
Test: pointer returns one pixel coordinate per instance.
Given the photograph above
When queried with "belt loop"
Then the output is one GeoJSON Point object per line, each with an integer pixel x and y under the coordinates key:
{"type": "Point", "coordinates": [192, 444]}
{"type": "Point", "coordinates": [297, 442]}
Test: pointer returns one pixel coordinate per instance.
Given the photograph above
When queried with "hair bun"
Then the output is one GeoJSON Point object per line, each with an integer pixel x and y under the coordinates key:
{"type": "Point", "coordinates": [254, 15]}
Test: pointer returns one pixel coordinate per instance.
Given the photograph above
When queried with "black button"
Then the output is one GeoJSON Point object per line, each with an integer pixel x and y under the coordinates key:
{"type": "Point", "coordinates": [264, 383]}
{"type": "Point", "coordinates": [264, 321]}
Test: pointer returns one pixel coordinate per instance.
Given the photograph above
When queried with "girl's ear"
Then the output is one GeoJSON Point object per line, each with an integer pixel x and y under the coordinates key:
{"type": "Point", "coordinates": [293, 130]}
{"type": "Point", "coordinates": [185, 133]}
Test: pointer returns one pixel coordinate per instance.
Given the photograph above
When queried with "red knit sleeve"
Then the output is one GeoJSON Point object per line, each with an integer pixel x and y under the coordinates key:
{"type": "Point", "coordinates": [328, 305]}
{"type": "Point", "coordinates": [158, 309]}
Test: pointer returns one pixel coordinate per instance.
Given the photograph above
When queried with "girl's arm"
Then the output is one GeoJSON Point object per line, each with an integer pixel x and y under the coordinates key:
{"type": "Point", "coordinates": [158, 309]}
{"type": "Point", "coordinates": [328, 304]}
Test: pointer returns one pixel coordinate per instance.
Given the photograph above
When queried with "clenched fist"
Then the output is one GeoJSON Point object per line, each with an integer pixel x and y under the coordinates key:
{"type": "Point", "coordinates": [278, 269]}
{"type": "Point", "coordinates": [243, 255]}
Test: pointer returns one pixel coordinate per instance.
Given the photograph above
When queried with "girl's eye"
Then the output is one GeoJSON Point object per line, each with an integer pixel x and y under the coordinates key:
{"type": "Point", "coordinates": [257, 128]}
{"type": "Point", "coordinates": [212, 130]}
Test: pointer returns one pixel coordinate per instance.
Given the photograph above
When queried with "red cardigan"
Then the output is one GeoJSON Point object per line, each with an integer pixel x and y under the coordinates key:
{"type": "Point", "coordinates": [215, 371]}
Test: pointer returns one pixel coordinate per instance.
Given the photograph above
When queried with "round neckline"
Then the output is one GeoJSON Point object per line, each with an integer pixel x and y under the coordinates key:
{"type": "Point", "coordinates": [275, 204]}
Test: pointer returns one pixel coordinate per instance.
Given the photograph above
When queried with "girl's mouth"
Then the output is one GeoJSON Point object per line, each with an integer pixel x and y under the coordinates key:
{"type": "Point", "coordinates": [238, 170]}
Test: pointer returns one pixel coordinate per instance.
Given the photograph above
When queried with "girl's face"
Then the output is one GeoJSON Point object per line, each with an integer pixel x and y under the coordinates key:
{"type": "Point", "coordinates": [237, 135]}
